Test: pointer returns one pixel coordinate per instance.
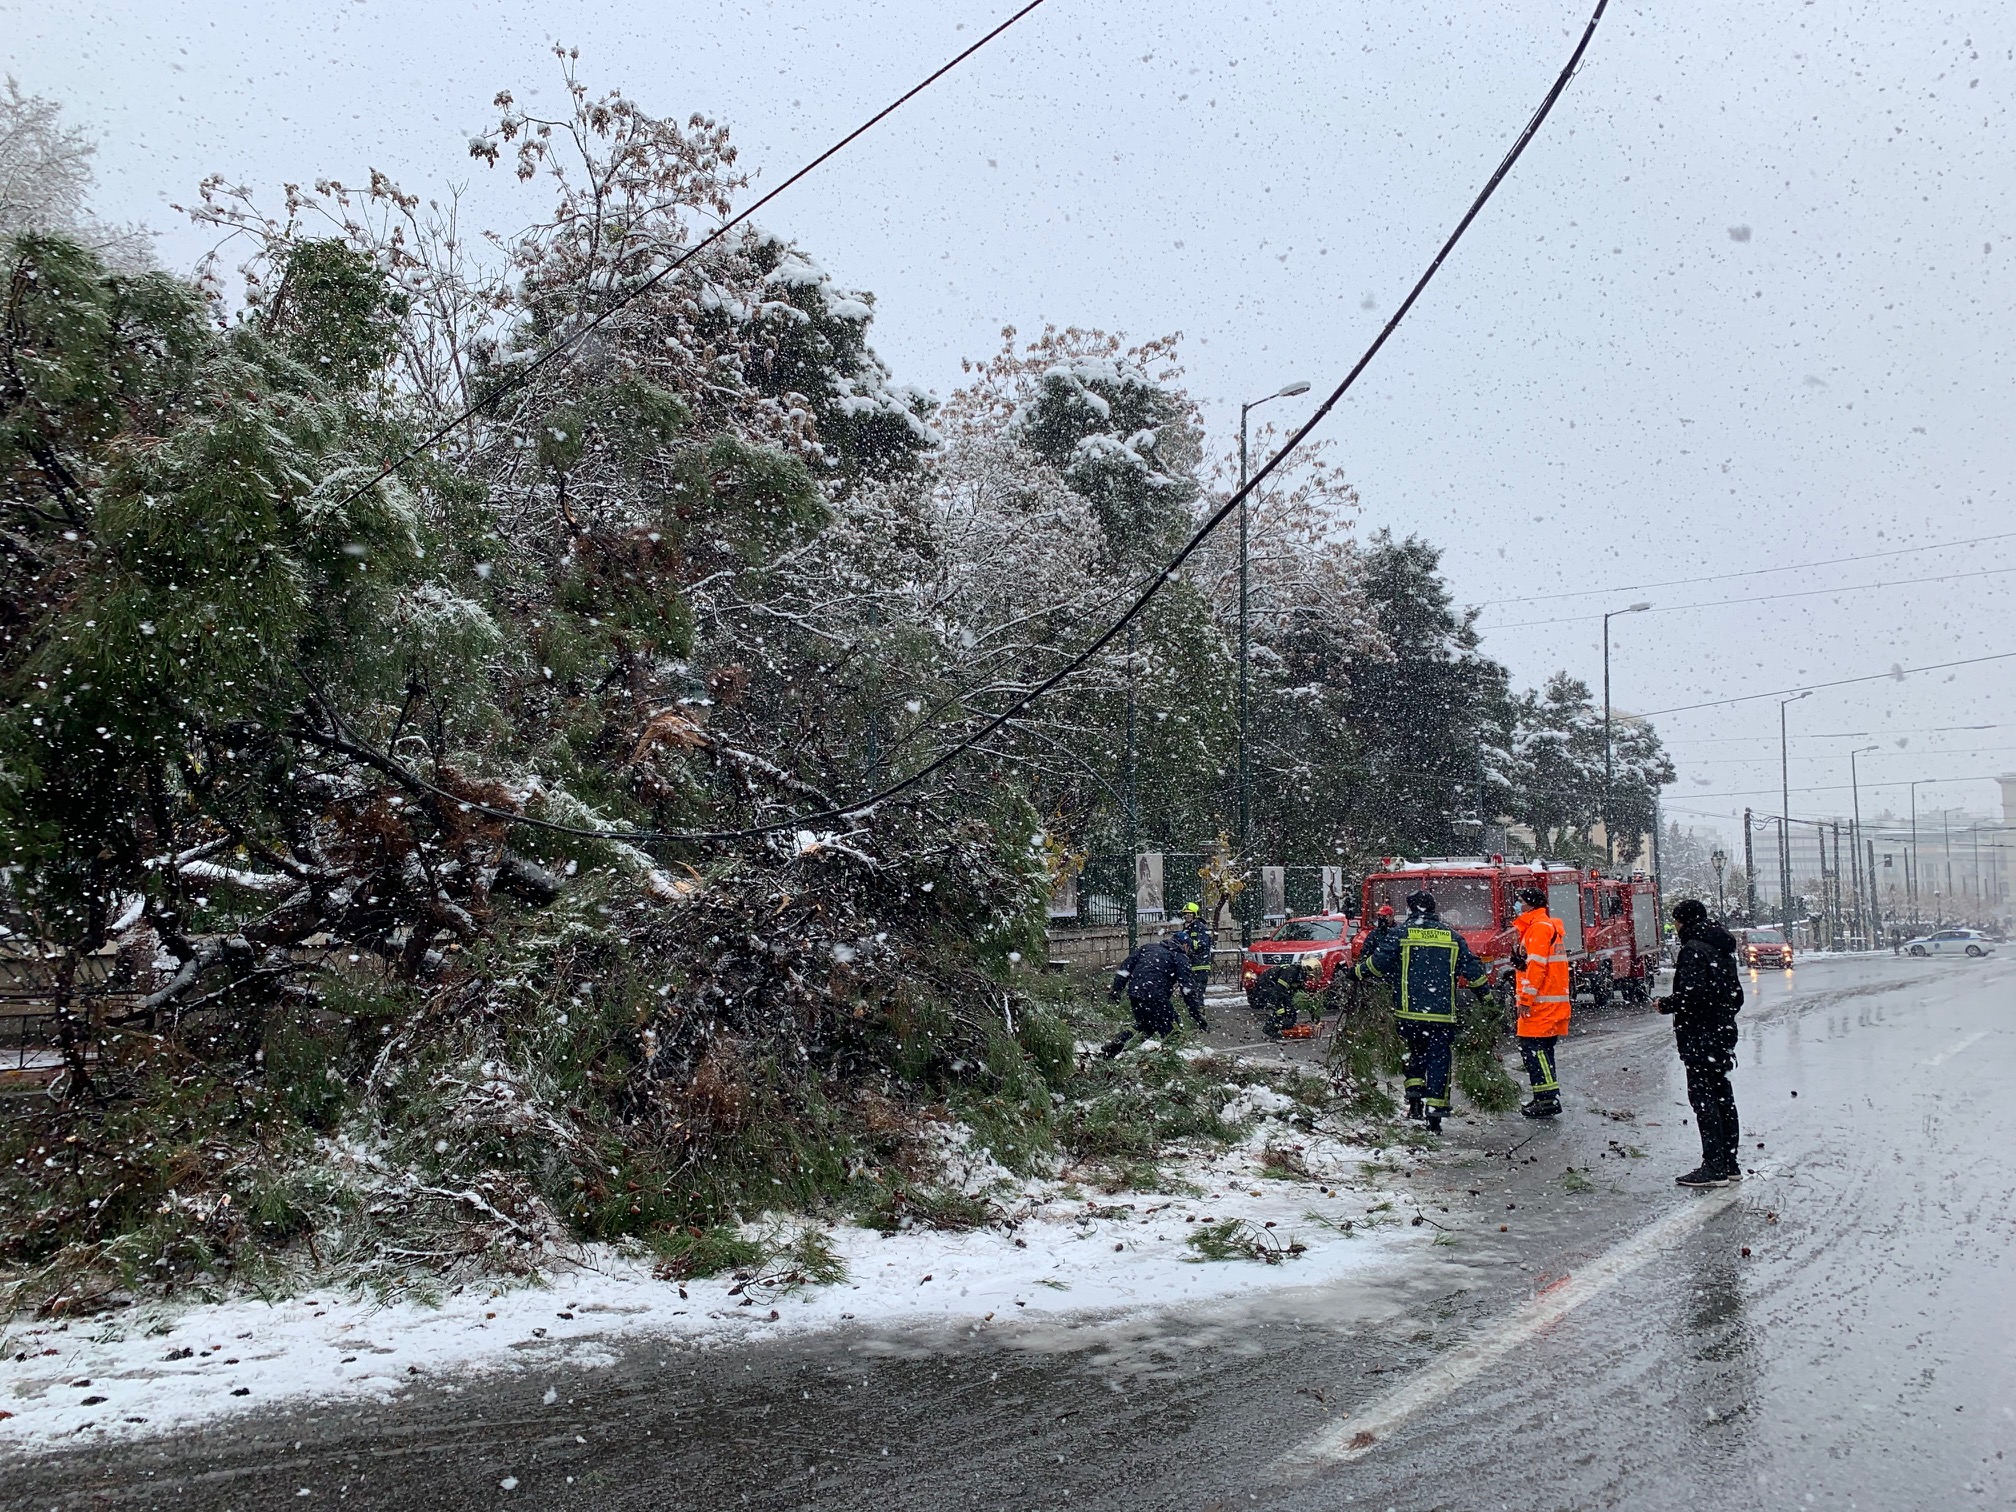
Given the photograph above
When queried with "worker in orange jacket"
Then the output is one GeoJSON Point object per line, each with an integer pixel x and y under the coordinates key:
{"type": "Point", "coordinates": [1540, 954]}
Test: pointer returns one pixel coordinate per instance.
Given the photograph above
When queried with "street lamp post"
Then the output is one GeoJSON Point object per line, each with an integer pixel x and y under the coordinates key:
{"type": "Point", "coordinates": [1785, 810]}
{"type": "Point", "coordinates": [1719, 860]}
{"type": "Point", "coordinates": [1286, 391]}
{"type": "Point", "coordinates": [1609, 842]}
{"type": "Point", "coordinates": [1855, 786]}
{"type": "Point", "coordinates": [1911, 866]}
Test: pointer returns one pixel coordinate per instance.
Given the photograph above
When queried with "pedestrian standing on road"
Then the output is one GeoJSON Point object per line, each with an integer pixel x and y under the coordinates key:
{"type": "Point", "coordinates": [1426, 961]}
{"type": "Point", "coordinates": [1149, 979]}
{"type": "Point", "coordinates": [1540, 956]}
{"type": "Point", "coordinates": [1707, 995]}
{"type": "Point", "coordinates": [1195, 941]}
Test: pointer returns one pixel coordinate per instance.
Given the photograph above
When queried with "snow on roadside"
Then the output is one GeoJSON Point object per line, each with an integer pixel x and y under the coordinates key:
{"type": "Point", "coordinates": [156, 1368]}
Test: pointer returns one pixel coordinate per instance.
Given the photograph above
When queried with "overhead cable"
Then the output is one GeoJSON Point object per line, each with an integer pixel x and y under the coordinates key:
{"type": "Point", "coordinates": [1761, 598]}
{"type": "Point", "coordinates": [1141, 601]}
{"type": "Point", "coordinates": [521, 375]}
{"type": "Point", "coordinates": [1895, 674]}
{"type": "Point", "coordinates": [1723, 577]}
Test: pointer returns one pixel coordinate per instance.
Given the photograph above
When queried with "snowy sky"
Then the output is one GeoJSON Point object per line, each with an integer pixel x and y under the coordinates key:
{"type": "Point", "coordinates": [1746, 304]}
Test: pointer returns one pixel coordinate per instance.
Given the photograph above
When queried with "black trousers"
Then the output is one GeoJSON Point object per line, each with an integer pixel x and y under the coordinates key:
{"type": "Point", "coordinates": [1154, 1018]}
{"type": "Point", "coordinates": [1714, 1103]}
{"type": "Point", "coordinates": [1709, 1054]}
{"type": "Point", "coordinates": [1431, 1055]}
{"type": "Point", "coordinates": [1538, 1053]}
{"type": "Point", "coordinates": [1193, 991]}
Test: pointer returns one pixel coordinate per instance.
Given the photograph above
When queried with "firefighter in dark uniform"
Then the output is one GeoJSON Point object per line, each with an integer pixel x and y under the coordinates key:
{"type": "Point", "coordinates": [1149, 979]}
{"type": "Point", "coordinates": [1426, 962]}
{"type": "Point", "coordinates": [1195, 941]}
{"type": "Point", "coordinates": [1273, 997]}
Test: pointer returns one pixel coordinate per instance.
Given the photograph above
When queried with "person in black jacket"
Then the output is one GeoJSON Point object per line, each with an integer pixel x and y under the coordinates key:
{"type": "Point", "coordinates": [1707, 995]}
{"type": "Point", "coordinates": [1149, 979]}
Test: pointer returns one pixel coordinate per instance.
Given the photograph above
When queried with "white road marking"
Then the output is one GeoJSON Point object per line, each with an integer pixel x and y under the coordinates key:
{"type": "Point", "coordinates": [1945, 1055]}
{"type": "Point", "coordinates": [1358, 1433]}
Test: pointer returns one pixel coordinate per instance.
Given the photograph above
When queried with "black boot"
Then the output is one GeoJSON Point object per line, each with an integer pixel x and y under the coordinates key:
{"type": "Point", "coordinates": [1544, 1105]}
{"type": "Point", "coordinates": [1414, 1109]}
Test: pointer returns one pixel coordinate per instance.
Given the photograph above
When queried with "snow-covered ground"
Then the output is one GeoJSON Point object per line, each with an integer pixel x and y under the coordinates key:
{"type": "Point", "coordinates": [155, 1367]}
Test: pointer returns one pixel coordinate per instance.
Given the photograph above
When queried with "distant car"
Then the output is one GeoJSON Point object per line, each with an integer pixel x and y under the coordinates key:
{"type": "Point", "coordinates": [1971, 942]}
{"type": "Point", "coordinates": [1321, 942]}
{"type": "Point", "coordinates": [1765, 947]}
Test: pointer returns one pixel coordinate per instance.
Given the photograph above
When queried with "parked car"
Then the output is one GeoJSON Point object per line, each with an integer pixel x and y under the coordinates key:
{"type": "Point", "coordinates": [1971, 942]}
{"type": "Point", "coordinates": [1760, 948]}
{"type": "Point", "coordinates": [1321, 942]}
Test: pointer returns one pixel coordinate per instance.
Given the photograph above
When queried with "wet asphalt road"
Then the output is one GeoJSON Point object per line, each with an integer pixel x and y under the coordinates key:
{"type": "Point", "coordinates": [1613, 1346]}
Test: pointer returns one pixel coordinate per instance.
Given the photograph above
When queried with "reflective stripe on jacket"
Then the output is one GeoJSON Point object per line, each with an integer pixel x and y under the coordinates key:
{"type": "Point", "coordinates": [1543, 980]}
{"type": "Point", "coordinates": [1429, 962]}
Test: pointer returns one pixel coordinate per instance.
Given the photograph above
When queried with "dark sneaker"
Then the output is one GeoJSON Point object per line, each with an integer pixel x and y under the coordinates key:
{"type": "Point", "coordinates": [1702, 1177]}
{"type": "Point", "coordinates": [1541, 1107]}
{"type": "Point", "coordinates": [1732, 1174]}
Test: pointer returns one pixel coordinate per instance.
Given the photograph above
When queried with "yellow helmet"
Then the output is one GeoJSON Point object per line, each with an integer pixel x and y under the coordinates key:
{"type": "Point", "coordinates": [1190, 908]}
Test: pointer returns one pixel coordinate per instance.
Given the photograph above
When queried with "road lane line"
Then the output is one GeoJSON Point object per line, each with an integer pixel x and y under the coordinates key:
{"type": "Point", "coordinates": [1360, 1432]}
{"type": "Point", "coordinates": [1945, 1055]}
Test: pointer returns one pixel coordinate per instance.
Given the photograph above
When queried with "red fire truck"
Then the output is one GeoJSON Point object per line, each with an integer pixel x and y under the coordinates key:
{"type": "Point", "coordinates": [1611, 923]}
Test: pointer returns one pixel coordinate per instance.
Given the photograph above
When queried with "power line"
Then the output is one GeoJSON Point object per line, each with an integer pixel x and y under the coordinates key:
{"type": "Point", "coordinates": [1723, 577]}
{"type": "Point", "coordinates": [1700, 761]}
{"type": "Point", "coordinates": [522, 375]}
{"type": "Point", "coordinates": [1761, 598]}
{"type": "Point", "coordinates": [1169, 570]}
{"type": "Point", "coordinates": [1846, 787]}
{"type": "Point", "coordinates": [1896, 673]}
{"type": "Point", "coordinates": [1831, 735]}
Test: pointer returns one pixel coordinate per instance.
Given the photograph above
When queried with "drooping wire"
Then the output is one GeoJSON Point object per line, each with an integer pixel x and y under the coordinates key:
{"type": "Point", "coordinates": [1141, 601]}
{"type": "Point", "coordinates": [523, 374]}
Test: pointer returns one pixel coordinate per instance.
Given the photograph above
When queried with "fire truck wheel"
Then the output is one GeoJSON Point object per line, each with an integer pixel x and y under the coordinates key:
{"type": "Point", "coordinates": [1599, 987]}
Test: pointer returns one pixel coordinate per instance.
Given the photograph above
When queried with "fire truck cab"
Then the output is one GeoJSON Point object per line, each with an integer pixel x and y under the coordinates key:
{"type": "Point", "coordinates": [1611, 924]}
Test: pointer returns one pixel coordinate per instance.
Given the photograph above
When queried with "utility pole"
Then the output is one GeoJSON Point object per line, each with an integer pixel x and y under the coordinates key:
{"type": "Point", "coordinates": [1287, 391]}
{"type": "Point", "coordinates": [1855, 786]}
{"type": "Point", "coordinates": [1749, 873]}
{"type": "Point", "coordinates": [1911, 861]}
{"type": "Point", "coordinates": [1609, 841]}
{"type": "Point", "coordinates": [1785, 822]}
{"type": "Point", "coordinates": [1875, 901]}
{"type": "Point", "coordinates": [1133, 812]}
{"type": "Point", "coordinates": [1946, 850]}
{"type": "Point", "coordinates": [1839, 911]}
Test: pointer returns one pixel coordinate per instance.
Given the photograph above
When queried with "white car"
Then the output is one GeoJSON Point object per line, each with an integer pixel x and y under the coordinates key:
{"type": "Point", "coordinates": [1950, 942]}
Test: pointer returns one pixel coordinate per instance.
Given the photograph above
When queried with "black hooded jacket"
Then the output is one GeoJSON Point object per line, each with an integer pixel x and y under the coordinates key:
{"type": "Point", "coordinates": [1707, 987]}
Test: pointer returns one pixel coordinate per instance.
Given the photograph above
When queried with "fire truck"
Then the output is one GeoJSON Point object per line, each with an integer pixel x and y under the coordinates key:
{"type": "Point", "coordinates": [1611, 923]}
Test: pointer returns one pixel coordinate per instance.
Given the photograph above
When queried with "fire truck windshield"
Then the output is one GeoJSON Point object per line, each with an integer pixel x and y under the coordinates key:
{"type": "Point", "coordinates": [1463, 902]}
{"type": "Point", "coordinates": [1310, 929]}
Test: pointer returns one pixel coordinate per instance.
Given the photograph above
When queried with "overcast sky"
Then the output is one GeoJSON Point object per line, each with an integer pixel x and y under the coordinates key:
{"type": "Point", "coordinates": [1746, 304]}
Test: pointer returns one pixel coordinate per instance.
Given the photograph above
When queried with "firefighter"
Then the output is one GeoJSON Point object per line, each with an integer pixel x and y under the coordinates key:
{"type": "Point", "coordinates": [1707, 995]}
{"type": "Point", "coordinates": [1426, 961]}
{"type": "Point", "coordinates": [1540, 956]}
{"type": "Point", "coordinates": [1195, 941]}
{"type": "Point", "coordinates": [1273, 997]}
{"type": "Point", "coordinates": [1149, 979]}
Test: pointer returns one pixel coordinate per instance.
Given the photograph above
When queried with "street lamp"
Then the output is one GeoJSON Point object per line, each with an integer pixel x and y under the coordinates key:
{"type": "Point", "coordinates": [1785, 812]}
{"type": "Point", "coordinates": [1855, 786]}
{"type": "Point", "coordinates": [1911, 869]}
{"type": "Point", "coordinates": [1719, 859]}
{"type": "Point", "coordinates": [1286, 391]}
{"type": "Point", "coordinates": [1609, 843]}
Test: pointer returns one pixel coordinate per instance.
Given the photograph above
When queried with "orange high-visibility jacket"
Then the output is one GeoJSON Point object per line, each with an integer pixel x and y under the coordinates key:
{"type": "Point", "coordinates": [1543, 980]}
